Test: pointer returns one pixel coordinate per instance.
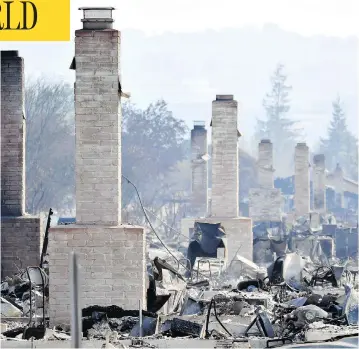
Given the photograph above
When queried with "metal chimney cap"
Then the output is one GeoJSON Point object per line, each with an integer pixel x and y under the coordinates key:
{"type": "Point", "coordinates": [199, 123]}
{"type": "Point", "coordinates": [224, 97]}
{"type": "Point", "coordinates": [96, 8]}
{"type": "Point", "coordinates": [9, 53]}
{"type": "Point", "coordinates": [97, 18]}
{"type": "Point", "coordinates": [302, 144]}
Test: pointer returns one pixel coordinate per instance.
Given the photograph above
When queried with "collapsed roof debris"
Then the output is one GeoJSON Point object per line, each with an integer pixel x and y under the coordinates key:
{"type": "Point", "coordinates": [293, 299]}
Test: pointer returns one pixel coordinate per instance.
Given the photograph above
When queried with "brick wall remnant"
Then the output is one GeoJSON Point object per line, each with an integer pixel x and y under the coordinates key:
{"type": "Point", "coordinates": [265, 205]}
{"type": "Point", "coordinates": [21, 243]}
{"type": "Point", "coordinates": [112, 270]}
{"type": "Point", "coordinates": [225, 171]}
{"type": "Point", "coordinates": [319, 177]}
{"type": "Point", "coordinates": [21, 239]}
{"type": "Point", "coordinates": [302, 188]}
{"type": "Point", "coordinates": [199, 169]}
{"type": "Point", "coordinates": [265, 164]}
{"type": "Point", "coordinates": [265, 202]}
{"type": "Point", "coordinates": [339, 184]}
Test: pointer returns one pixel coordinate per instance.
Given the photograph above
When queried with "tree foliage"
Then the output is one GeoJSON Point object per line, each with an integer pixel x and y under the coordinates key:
{"type": "Point", "coordinates": [50, 145]}
{"type": "Point", "coordinates": [152, 148]}
{"type": "Point", "coordinates": [276, 125]}
{"type": "Point", "coordinates": [152, 151]}
{"type": "Point", "coordinates": [341, 146]}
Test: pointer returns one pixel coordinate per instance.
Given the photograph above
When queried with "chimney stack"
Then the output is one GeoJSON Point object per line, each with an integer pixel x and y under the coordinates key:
{"type": "Point", "coordinates": [199, 164]}
{"type": "Point", "coordinates": [225, 171]}
{"type": "Point", "coordinates": [302, 185]}
{"type": "Point", "coordinates": [265, 164]}
{"type": "Point", "coordinates": [319, 179]}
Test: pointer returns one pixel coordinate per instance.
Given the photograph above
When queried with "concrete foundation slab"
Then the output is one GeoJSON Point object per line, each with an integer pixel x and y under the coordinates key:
{"type": "Point", "coordinates": [21, 243]}
{"type": "Point", "coordinates": [158, 343]}
{"type": "Point", "coordinates": [323, 334]}
{"type": "Point", "coordinates": [112, 267]}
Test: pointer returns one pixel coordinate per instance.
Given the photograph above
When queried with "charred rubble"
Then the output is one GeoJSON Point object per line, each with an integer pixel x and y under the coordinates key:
{"type": "Point", "coordinates": [299, 295]}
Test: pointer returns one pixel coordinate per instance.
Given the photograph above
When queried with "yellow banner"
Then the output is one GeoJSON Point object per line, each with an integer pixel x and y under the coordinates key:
{"type": "Point", "coordinates": [35, 20]}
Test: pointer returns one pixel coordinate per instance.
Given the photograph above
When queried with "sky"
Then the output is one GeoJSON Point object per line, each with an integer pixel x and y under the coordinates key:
{"type": "Point", "coordinates": [332, 18]}
{"type": "Point", "coordinates": [337, 18]}
{"type": "Point", "coordinates": [306, 17]}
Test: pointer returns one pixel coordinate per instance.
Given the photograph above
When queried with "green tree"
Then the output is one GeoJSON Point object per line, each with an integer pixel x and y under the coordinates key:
{"type": "Point", "coordinates": [341, 146]}
{"type": "Point", "coordinates": [277, 126]}
{"type": "Point", "coordinates": [152, 148]}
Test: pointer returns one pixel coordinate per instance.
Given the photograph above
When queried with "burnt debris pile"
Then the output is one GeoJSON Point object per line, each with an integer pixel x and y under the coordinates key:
{"type": "Point", "coordinates": [302, 294]}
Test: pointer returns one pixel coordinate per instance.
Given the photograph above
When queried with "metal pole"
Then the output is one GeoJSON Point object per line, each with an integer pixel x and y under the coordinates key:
{"type": "Point", "coordinates": [140, 318]}
{"type": "Point", "coordinates": [75, 306]}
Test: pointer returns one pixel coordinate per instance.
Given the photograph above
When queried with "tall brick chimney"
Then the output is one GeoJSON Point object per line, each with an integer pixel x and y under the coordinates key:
{"type": "Point", "coordinates": [225, 177]}
{"type": "Point", "coordinates": [302, 186]}
{"type": "Point", "coordinates": [12, 134]}
{"type": "Point", "coordinates": [199, 164]}
{"type": "Point", "coordinates": [224, 206]}
{"type": "Point", "coordinates": [265, 201]}
{"type": "Point", "coordinates": [339, 186]}
{"type": "Point", "coordinates": [113, 255]}
{"type": "Point", "coordinates": [265, 164]}
{"type": "Point", "coordinates": [21, 240]}
{"type": "Point", "coordinates": [319, 179]}
{"type": "Point", "coordinates": [98, 119]}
